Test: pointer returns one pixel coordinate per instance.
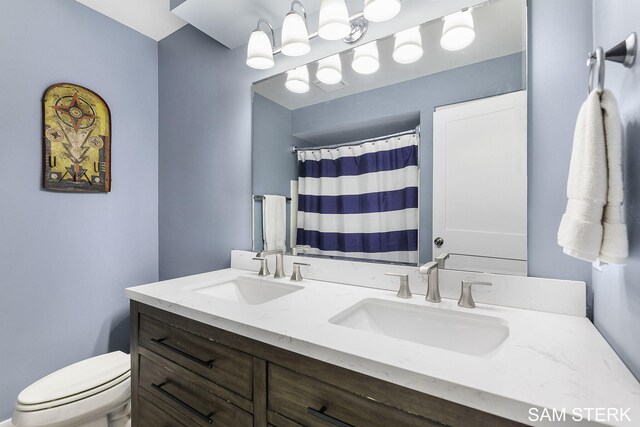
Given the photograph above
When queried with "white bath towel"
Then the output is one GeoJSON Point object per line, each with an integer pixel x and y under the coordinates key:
{"type": "Point", "coordinates": [615, 243]}
{"type": "Point", "coordinates": [588, 230]}
{"type": "Point", "coordinates": [274, 222]}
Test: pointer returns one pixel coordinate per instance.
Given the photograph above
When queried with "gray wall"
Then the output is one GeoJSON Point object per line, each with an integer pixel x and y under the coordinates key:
{"type": "Point", "coordinates": [204, 153]}
{"type": "Point", "coordinates": [559, 35]}
{"type": "Point", "coordinates": [271, 127]}
{"type": "Point", "coordinates": [273, 165]}
{"type": "Point", "coordinates": [65, 259]}
{"type": "Point", "coordinates": [617, 289]}
{"type": "Point", "coordinates": [420, 97]}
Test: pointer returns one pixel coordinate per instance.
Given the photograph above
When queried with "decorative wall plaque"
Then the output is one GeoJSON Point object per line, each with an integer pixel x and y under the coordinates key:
{"type": "Point", "coordinates": [77, 138]}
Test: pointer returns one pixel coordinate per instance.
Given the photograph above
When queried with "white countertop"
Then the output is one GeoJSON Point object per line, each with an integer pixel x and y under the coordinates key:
{"type": "Point", "coordinates": [548, 360]}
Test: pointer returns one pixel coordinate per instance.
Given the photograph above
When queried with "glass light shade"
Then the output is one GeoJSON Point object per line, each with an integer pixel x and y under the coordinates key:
{"type": "Point", "coordinates": [298, 80]}
{"type": "Point", "coordinates": [381, 10]}
{"type": "Point", "coordinates": [259, 51]}
{"type": "Point", "coordinates": [365, 58]}
{"type": "Point", "coordinates": [408, 46]}
{"type": "Point", "coordinates": [458, 31]}
{"type": "Point", "coordinates": [334, 20]}
{"type": "Point", "coordinates": [330, 70]}
{"type": "Point", "coordinates": [295, 36]}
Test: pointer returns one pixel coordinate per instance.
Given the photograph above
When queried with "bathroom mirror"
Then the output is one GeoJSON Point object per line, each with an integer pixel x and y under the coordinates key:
{"type": "Point", "coordinates": [425, 156]}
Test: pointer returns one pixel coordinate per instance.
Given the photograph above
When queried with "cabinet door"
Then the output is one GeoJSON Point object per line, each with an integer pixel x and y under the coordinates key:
{"type": "Point", "coordinates": [223, 365]}
{"type": "Point", "coordinates": [480, 183]}
{"type": "Point", "coordinates": [186, 400]}
{"type": "Point", "coordinates": [310, 402]}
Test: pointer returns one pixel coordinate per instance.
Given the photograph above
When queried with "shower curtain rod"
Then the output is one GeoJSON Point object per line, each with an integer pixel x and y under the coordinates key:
{"type": "Point", "coordinates": [293, 149]}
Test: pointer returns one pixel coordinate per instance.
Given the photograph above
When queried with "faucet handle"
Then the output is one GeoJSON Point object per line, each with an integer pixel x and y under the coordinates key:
{"type": "Point", "coordinates": [264, 266]}
{"type": "Point", "coordinates": [466, 298]}
{"type": "Point", "coordinates": [404, 291]}
{"type": "Point", "coordinates": [296, 276]}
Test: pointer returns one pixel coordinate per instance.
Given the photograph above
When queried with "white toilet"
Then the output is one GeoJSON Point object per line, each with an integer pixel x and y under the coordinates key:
{"type": "Point", "coordinates": [92, 393]}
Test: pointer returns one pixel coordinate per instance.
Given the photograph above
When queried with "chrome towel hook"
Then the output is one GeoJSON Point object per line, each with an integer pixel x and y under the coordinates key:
{"type": "Point", "coordinates": [596, 70]}
{"type": "Point", "coordinates": [623, 53]}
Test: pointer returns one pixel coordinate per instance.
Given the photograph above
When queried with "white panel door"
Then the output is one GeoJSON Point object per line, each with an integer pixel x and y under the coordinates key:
{"type": "Point", "coordinates": [480, 181]}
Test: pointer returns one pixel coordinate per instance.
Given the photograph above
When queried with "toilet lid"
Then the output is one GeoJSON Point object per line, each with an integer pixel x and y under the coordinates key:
{"type": "Point", "coordinates": [77, 378]}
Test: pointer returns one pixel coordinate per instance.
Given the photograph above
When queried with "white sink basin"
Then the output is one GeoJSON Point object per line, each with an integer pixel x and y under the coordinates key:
{"type": "Point", "coordinates": [468, 333]}
{"type": "Point", "coordinates": [247, 290]}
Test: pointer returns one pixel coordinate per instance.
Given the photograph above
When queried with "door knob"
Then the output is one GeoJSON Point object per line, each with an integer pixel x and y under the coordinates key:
{"type": "Point", "coordinates": [439, 241]}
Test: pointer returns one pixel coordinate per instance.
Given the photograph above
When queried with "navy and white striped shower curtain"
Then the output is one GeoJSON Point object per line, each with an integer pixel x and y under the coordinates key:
{"type": "Point", "coordinates": [361, 201]}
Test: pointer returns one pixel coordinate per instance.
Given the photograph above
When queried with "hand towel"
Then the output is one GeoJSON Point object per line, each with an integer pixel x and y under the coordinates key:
{"type": "Point", "coordinates": [274, 220]}
{"type": "Point", "coordinates": [588, 231]}
{"type": "Point", "coordinates": [615, 243]}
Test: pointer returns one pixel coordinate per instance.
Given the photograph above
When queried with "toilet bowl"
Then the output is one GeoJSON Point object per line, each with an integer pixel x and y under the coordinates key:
{"type": "Point", "coordinates": [92, 393]}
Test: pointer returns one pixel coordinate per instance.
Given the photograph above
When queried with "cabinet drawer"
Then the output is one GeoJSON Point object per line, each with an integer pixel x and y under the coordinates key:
{"type": "Point", "coordinates": [314, 403]}
{"type": "Point", "coordinates": [188, 401]}
{"type": "Point", "coordinates": [226, 367]}
{"type": "Point", "coordinates": [152, 416]}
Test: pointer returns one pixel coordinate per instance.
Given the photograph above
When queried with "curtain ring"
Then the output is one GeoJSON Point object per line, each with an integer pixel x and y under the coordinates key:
{"type": "Point", "coordinates": [596, 60]}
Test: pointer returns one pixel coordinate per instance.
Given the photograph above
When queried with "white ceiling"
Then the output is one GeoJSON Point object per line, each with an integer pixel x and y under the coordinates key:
{"type": "Point", "coordinates": [152, 18]}
{"type": "Point", "coordinates": [500, 30]}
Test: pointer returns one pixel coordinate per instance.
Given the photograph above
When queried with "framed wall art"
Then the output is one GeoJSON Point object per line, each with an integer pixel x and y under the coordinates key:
{"type": "Point", "coordinates": [77, 140]}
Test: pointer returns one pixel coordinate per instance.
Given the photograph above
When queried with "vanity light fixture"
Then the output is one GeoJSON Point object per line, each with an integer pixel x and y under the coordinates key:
{"type": "Point", "coordinates": [408, 46]}
{"type": "Point", "coordinates": [458, 31]}
{"type": "Point", "coordinates": [365, 58]}
{"type": "Point", "coordinates": [260, 48]}
{"type": "Point", "coordinates": [298, 80]}
{"type": "Point", "coordinates": [295, 34]}
{"type": "Point", "coordinates": [335, 24]}
{"type": "Point", "coordinates": [381, 10]}
{"type": "Point", "coordinates": [334, 20]}
{"type": "Point", "coordinates": [330, 70]}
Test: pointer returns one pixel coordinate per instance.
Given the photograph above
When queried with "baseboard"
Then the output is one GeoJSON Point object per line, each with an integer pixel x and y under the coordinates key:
{"type": "Point", "coordinates": [6, 423]}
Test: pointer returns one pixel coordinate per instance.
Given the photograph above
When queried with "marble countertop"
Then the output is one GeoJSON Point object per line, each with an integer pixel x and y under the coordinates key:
{"type": "Point", "coordinates": [548, 360]}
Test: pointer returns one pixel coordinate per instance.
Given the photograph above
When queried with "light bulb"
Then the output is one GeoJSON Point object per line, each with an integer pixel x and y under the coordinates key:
{"type": "Point", "coordinates": [334, 20]}
{"type": "Point", "coordinates": [365, 58]}
{"type": "Point", "coordinates": [330, 70]}
{"type": "Point", "coordinates": [298, 80]}
{"type": "Point", "coordinates": [295, 36]}
{"type": "Point", "coordinates": [458, 31]}
{"type": "Point", "coordinates": [381, 10]}
{"type": "Point", "coordinates": [408, 46]}
{"type": "Point", "coordinates": [259, 51]}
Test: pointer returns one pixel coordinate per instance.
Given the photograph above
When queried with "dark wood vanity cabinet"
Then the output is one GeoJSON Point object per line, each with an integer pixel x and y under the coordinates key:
{"type": "Point", "coordinates": [186, 373]}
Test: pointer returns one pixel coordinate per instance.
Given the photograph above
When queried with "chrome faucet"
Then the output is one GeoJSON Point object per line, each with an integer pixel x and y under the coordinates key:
{"type": "Point", "coordinates": [279, 253]}
{"type": "Point", "coordinates": [440, 259]}
{"type": "Point", "coordinates": [300, 248]}
{"type": "Point", "coordinates": [404, 291]}
{"type": "Point", "coordinates": [466, 299]}
{"type": "Point", "coordinates": [433, 286]}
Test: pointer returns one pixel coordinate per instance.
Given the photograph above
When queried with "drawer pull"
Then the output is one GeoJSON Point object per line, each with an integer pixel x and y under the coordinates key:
{"type": "Point", "coordinates": [320, 413]}
{"type": "Point", "coordinates": [205, 363]}
{"type": "Point", "coordinates": [207, 418]}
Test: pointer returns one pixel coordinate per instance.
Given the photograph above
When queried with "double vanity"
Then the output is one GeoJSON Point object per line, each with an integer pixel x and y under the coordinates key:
{"type": "Point", "coordinates": [233, 348]}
